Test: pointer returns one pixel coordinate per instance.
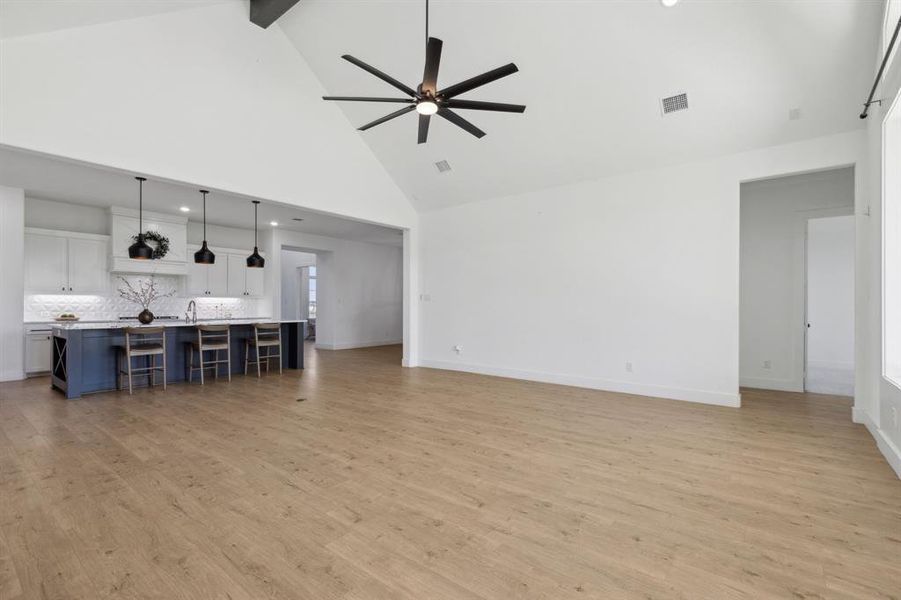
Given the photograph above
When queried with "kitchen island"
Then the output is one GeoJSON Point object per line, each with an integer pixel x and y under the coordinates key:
{"type": "Point", "coordinates": [85, 355]}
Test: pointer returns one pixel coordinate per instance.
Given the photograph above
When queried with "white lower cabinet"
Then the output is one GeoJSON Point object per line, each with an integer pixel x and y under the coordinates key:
{"type": "Point", "coordinates": [38, 344]}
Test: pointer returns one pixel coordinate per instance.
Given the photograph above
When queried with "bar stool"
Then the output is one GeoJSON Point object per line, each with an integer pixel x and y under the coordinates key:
{"type": "Point", "coordinates": [215, 339]}
{"type": "Point", "coordinates": [148, 342]}
{"type": "Point", "coordinates": [268, 336]}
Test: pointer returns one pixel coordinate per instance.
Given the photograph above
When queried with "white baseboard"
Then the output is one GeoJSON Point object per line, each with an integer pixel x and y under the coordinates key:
{"type": "Point", "coordinates": [352, 345]}
{"type": "Point", "coordinates": [625, 387]}
{"type": "Point", "coordinates": [781, 385]}
{"type": "Point", "coordinates": [889, 450]}
{"type": "Point", "coordinates": [12, 376]}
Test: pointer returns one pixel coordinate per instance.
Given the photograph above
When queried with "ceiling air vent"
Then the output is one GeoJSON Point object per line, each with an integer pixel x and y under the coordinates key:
{"type": "Point", "coordinates": [673, 104]}
{"type": "Point", "coordinates": [443, 166]}
{"type": "Point", "coordinates": [298, 219]}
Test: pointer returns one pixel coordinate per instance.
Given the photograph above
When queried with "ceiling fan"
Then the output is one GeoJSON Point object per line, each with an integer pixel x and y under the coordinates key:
{"type": "Point", "coordinates": [427, 99]}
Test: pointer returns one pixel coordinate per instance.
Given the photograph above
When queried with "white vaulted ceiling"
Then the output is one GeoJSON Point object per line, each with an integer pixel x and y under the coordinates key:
{"type": "Point", "coordinates": [592, 75]}
{"type": "Point", "coordinates": [26, 17]}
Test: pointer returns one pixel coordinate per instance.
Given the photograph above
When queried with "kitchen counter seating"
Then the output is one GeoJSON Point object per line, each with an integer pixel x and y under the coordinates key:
{"type": "Point", "coordinates": [85, 355]}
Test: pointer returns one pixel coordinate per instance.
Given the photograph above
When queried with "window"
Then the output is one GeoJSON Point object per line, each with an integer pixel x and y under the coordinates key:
{"type": "Point", "coordinates": [312, 279]}
{"type": "Point", "coordinates": [891, 244]}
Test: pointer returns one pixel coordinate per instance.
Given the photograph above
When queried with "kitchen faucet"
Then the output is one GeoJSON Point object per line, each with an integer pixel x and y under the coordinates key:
{"type": "Point", "coordinates": [191, 313]}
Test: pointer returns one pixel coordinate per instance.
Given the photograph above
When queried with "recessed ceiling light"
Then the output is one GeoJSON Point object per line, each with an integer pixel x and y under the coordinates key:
{"type": "Point", "coordinates": [669, 3]}
{"type": "Point", "coordinates": [184, 209]}
{"type": "Point", "coordinates": [273, 223]}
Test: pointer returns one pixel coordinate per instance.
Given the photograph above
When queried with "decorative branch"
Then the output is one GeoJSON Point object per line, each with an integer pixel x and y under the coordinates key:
{"type": "Point", "coordinates": [145, 294]}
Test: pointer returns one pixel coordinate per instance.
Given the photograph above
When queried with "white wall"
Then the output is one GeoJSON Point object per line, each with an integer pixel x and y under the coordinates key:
{"type": "Point", "coordinates": [569, 284]}
{"type": "Point", "coordinates": [360, 288]}
{"type": "Point", "coordinates": [830, 305]}
{"type": "Point", "coordinates": [12, 307]}
{"type": "Point", "coordinates": [774, 217]}
{"type": "Point", "coordinates": [64, 216]}
{"type": "Point", "coordinates": [875, 397]}
{"type": "Point", "coordinates": [198, 96]}
{"type": "Point", "coordinates": [291, 293]}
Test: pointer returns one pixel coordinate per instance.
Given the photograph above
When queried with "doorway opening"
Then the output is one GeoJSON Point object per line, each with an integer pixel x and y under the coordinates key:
{"type": "Point", "coordinates": [298, 291]}
{"type": "Point", "coordinates": [797, 283]}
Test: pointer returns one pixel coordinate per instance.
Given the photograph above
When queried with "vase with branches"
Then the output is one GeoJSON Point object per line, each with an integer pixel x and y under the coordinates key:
{"type": "Point", "coordinates": [144, 293]}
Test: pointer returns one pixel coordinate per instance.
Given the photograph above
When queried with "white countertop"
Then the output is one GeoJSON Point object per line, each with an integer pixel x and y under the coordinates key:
{"type": "Point", "coordinates": [161, 323]}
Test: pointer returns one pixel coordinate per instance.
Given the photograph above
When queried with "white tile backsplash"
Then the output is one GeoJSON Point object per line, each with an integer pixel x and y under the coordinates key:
{"type": "Point", "coordinates": [44, 307]}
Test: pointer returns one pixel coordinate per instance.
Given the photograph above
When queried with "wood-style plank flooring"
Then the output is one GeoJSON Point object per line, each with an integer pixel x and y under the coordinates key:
{"type": "Point", "coordinates": [390, 483]}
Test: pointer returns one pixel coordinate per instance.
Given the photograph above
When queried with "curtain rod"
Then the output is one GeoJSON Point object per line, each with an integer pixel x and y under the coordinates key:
{"type": "Point", "coordinates": [888, 52]}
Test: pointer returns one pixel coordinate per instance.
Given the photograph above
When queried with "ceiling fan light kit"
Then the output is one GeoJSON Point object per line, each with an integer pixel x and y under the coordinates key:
{"type": "Point", "coordinates": [427, 99]}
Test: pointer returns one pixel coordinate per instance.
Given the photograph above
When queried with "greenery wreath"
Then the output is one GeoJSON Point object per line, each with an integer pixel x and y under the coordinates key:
{"type": "Point", "coordinates": [162, 243]}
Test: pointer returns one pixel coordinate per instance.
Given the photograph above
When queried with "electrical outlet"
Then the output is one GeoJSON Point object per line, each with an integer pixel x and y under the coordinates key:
{"type": "Point", "coordinates": [628, 367]}
{"type": "Point", "coordinates": [425, 297]}
{"type": "Point", "coordinates": [893, 411]}
{"type": "Point", "coordinates": [458, 349]}
{"type": "Point", "coordinates": [767, 364]}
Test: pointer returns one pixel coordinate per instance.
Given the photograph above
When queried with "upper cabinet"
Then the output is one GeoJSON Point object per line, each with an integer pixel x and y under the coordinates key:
{"type": "Point", "coordinates": [124, 227]}
{"type": "Point", "coordinates": [59, 262]}
{"type": "Point", "coordinates": [228, 277]}
{"type": "Point", "coordinates": [243, 281]}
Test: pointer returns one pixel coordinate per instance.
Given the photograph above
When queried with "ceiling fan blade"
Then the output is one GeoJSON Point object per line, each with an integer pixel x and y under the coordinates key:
{"type": "Point", "coordinates": [396, 113]}
{"type": "Point", "coordinates": [364, 99]}
{"type": "Point", "coordinates": [432, 60]}
{"type": "Point", "coordinates": [424, 128]}
{"type": "Point", "coordinates": [478, 105]}
{"type": "Point", "coordinates": [383, 76]}
{"type": "Point", "coordinates": [478, 80]}
{"type": "Point", "coordinates": [460, 122]}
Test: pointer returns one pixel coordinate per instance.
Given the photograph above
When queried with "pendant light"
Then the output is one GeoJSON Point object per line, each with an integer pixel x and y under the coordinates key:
{"type": "Point", "coordinates": [140, 250]}
{"type": "Point", "coordinates": [255, 261]}
{"type": "Point", "coordinates": [204, 256]}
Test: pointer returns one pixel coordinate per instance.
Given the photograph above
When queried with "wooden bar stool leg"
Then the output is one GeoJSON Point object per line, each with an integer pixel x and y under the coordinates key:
{"type": "Point", "coordinates": [128, 358]}
{"type": "Point", "coordinates": [246, 355]}
{"type": "Point", "coordinates": [259, 359]}
{"type": "Point", "coordinates": [200, 359]}
{"type": "Point", "coordinates": [228, 357]}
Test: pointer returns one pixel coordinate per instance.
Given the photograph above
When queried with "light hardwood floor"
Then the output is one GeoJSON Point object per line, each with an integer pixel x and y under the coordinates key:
{"type": "Point", "coordinates": [414, 483]}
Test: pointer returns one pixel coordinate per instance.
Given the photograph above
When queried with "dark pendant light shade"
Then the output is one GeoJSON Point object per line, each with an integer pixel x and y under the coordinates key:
{"type": "Point", "coordinates": [140, 250]}
{"type": "Point", "coordinates": [204, 256]}
{"type": "Point", "coordinates": [255, 261]}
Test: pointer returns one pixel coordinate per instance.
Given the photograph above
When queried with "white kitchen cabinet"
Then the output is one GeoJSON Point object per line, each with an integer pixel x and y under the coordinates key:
{"type": "Point", "coordinates": [46, 264]}
{"type": "Point", "coordinates": [38, 344]}
{"type": "Point", "coordinates": [254, 281]}
{"type": "Point", "coordinates": [236, 278]}
{"type": "Point", "coordinates": [87, 266]}
{"type": "Point", "coordinates": [208, 280]}
{"type": "Point", "coordinates": [217, 278]}
{"type": "Point", "coordinates": [242, 281]}
{"type": "Point", "coordinates": [59, 262]}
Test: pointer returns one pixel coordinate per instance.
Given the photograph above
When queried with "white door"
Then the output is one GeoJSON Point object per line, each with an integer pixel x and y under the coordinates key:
{"type": "Point", "coordinates": [87, 266]}
{"type": "Point", "coordinates": [830, 306]}
{"type": "Point", "coordinates": [45, 264]}
{"type": "Point", "coordinates": [237, 286]}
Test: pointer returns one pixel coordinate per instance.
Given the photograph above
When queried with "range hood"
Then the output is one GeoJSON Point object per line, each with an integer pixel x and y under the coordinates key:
{"type": "Point", "coordinates": [123, 228]}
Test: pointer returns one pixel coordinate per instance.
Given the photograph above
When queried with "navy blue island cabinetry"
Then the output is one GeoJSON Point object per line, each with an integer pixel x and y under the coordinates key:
{"type": "Point", "coordinates": [85, 355]}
